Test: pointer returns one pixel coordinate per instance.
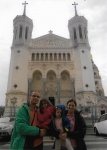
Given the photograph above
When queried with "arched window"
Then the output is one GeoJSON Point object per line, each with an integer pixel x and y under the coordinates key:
{"type": "Point", "coordinates": [85, 32]}
{"type": "Point", "coordinates": [33, 56]}
{"type": "Point", "coordinates": [59, 56]}
{"type": "Point", "coordinates": [75, 36]}
{"type": "Point", "coordinates": [96, 82]}
{"type": "Point", "coordinates": [68, 56]}
{"type": "Point", "coordinates": [95, 73]}
{"type": "Point", "coordinates": [15, 32]}
{"type": "Point", "coordinates": [100, 93]}
{"type": "Point", "coordinates": [80, 32]}
{"type": "Point", "coordinates": [50, 56]}
{"type": "Point", "coordinates": [26, 33]}
{"type": "Point", "coordinates": [20, 32]}
{"type": "Point", "coordinates": [37, 56]}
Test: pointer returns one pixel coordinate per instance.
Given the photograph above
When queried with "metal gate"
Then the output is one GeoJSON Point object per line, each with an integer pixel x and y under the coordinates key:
{"type": "Point", "coordinates": [92, 113]}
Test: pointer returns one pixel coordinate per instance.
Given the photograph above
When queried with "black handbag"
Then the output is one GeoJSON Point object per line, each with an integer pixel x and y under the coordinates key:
{"type": "Point", "coordinates": [29, 142]}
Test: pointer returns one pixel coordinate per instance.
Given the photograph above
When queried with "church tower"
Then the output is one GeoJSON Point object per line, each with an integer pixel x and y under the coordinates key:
{"type": "Point", "coordinates": [84, 77]}
{"type": "Point", "coordinates": [17, 88]}
{"type": "Point", "coordinates": [22, 29]}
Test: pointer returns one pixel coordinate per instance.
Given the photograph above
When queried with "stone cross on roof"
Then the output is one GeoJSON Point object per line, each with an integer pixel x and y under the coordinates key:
{"type": "Point", "coordinates": [24, 12]}
{"type": "Point", "coordinates": [75, 8]}
{"type": "Point", "coordinates": [50, 32]}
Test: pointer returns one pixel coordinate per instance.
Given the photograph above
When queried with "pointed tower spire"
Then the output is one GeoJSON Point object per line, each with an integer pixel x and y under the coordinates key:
{"type": "Point", "coordinates": [24, 12]}
{"type": "Point", "coordinates": [75, 8]}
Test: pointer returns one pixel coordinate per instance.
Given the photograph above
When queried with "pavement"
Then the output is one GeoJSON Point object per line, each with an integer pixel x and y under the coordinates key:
{"type": "Point", "coordinates": [92, 142]}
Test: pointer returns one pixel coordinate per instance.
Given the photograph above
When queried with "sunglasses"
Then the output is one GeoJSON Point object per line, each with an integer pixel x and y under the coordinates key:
{"type": "Point", "coordinates": [36, 96]}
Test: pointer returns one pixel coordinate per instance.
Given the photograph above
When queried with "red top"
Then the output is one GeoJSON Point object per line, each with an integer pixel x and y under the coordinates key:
{"type": "Point", "coordinates": [38, 140]}
{"type": "Point", "coordinates": [45, 118]}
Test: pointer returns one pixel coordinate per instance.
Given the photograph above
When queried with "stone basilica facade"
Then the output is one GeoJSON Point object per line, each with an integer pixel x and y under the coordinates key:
{"type": "Point", "coordinates": [57, 67]}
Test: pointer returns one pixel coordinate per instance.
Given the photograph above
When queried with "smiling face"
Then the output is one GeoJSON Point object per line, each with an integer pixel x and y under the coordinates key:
{"type": "Point", "coordinates": [34, 98]}
{"type": "Point", "coordinates": [71, 107]}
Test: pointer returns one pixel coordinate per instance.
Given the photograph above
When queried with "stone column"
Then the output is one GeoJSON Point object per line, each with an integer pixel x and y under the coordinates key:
{"type": "Point", "coordinates": [48, 56]}
{"type": "Point", "coordinates": [57, 57]}
{"type": "Point", "coordinates": [58, 90]}
{"type": "Point", "coordinates": [30, 57]}
{"type": "Point", "coordinates": [73, 87]}
{"type": "Point", "coordinates": [62, 57]}
{"type": "Point", "coordinates": [43, 56]}
{"type": "Point", "coordinates": [36, 56]}
{"type": "Point", "coordinates": [52, 57]}
{"type": "Point", "coordinates": [44, 87]}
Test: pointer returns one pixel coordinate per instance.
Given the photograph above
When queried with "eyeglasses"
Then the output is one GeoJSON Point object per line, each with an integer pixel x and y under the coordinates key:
{"type": "Point", "coordinates": [36, 96]}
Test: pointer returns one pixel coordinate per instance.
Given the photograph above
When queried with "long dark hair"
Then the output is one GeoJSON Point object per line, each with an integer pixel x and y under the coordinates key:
{"type": "Point", "coordinates": [46, 101]}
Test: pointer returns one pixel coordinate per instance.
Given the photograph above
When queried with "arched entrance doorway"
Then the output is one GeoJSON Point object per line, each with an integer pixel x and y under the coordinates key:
{"type": "Point", "coordinates": [102, 112]}
{"type": "Point", "coordinates": [102, 109]}
{"type": "Point", "coordinates": [52, 100]}
{"type": "Point", "coordinates": [51, 87]}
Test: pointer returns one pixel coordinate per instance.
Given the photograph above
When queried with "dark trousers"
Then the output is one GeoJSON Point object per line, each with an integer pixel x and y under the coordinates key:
{"type": "Point", "coordinates": [40, 147]}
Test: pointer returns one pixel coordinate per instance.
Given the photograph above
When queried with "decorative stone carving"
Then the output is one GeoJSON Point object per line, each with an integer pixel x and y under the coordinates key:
{"type": "Point", "coordinates": [51, 78]}
{"type": "Point", "coordinates": [51, 41]}
{"type": "Point", "coordinates": [66, 93]}
{"type": "Point", "coordinates": [13, 100]}
{"type": "Point", "coordinates": [64, 78]}
{"type": "Point", "coordinates": [38, 77]}
{"type": "Point", "coordinates": [58, 66]}
{"type": "Point", "coordinates": [45, 66]}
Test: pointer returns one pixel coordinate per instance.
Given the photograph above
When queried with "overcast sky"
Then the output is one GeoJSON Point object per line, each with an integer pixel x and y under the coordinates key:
{"type": "Point", "coordinates": [54, 15]}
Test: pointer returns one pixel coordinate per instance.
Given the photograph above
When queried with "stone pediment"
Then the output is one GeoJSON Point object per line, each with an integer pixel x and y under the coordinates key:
{"type": "Point", "coordinates": [102, 99]}
{"type": "Point", "coordinates": [51, 41]}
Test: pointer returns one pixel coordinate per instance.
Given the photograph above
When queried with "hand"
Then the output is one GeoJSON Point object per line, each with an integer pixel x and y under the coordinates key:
{"type": "Point", "coordinates": [63, 135]}
{"type": "Point", "coordinates": [52, 137]}
{"type": "Point", "coordinates": [61, 131]}
{"type": "Point", "coordinates": [42, 132]}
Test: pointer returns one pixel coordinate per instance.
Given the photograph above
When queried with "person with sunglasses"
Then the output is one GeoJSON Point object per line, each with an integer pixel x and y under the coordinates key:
{"type": "Point", "coordinates": [26, 134]}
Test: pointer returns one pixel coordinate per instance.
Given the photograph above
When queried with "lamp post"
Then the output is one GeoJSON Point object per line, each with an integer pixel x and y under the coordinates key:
{"type": "Point", "coordinates": [29, 88]}
{"type": "Point", "coordinates": [92, 114]}
{"type": "Point", "coordinates": [58, 90]}
{"type": "Point", "coordinates": [13, 101]}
